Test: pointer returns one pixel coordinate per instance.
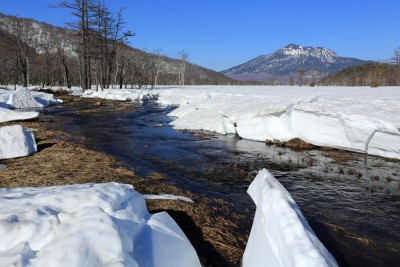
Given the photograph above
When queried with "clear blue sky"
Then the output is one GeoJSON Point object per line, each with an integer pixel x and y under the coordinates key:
{"type": "Point", "coordinates": [219, 34]}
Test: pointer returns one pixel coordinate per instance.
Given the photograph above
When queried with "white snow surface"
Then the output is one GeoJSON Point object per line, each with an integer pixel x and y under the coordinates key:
{"type": "Point", "coordinates": [11, 115]}
{"type": "Point", "coordinates": [23, 98]}
{"type": "Point", "coordinates": [16, 142]}
{"type": "Point", "coordinates": [340, 117]}
{"type": "Point", "coordinates": [88, 225]}
{"type": "Point", "coordinates": [168, 197]}
{"type": "Point", "coordinates": [119, 94]}
{"type": "Point", "coordinates": [360, 119]}
{"type": "Point", "coordinates": [280, 235]}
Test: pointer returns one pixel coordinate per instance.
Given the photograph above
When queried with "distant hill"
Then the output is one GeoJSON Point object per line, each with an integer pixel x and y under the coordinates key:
{"type": "Point", "coordinates": [290, 61]}
{"type": "Point", "coordinates": [44, 34]}
{"type": "Point", "coordinates": [371, 74]}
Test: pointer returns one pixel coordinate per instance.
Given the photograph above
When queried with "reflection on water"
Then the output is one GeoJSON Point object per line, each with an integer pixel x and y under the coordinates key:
{"type": "Point", "coordinates": [352, 201]}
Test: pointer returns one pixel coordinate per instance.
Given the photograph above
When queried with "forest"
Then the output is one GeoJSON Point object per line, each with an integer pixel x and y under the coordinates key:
{"type": "Point", "coordinates": [94, 49]}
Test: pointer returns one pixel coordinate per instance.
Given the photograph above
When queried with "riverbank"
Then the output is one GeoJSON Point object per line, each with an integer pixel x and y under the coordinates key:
{"type": "Point", "coordinates": [62, 159]}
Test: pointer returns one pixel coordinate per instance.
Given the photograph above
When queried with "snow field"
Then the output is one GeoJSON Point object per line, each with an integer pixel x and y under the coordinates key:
{"type": "Point", "coordinates": [88, 225]}
{"type": "Point", "coordinates": [280, 235]}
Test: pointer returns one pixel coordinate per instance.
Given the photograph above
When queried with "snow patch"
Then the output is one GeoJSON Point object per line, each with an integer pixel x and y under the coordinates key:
{"type": "Point", "coordinates": [168, 197]}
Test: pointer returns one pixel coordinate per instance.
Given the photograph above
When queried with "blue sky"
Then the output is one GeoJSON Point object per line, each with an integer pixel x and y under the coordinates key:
{"type": "Point", "coordinates": [220, 34]}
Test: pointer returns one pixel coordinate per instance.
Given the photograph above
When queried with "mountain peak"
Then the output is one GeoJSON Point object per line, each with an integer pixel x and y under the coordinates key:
{"type": "Point", "coordinates": [293, 46]}
{"type": "Point", "coordinates": [288, 60]}
{"type": "Point", "coordinates": [321, 53]}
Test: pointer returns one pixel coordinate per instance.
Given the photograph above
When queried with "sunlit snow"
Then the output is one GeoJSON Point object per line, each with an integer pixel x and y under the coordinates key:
{"type": "Point", "coordinates": [360, 119]}
{"type": "Point", "coordinates": [280, 235]}
{"type": "Point", "coordinates": [25, 98]}
{"type": "Point", "coordinates": [15, 141]}
{"type": "Point", "coordinates": [88, 225]}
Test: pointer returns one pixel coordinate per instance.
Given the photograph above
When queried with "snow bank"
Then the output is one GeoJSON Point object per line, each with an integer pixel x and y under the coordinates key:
{"type": "Point", "coordinates": [119, 94]}
{"type": "Point", "coordinates": [16, 142]}
{"type": "Point", "coordinates": [25, 98]}
{"type": "Point", "coordinates": [88, 225]}
{"type": "Point", "coordinates": [11, 115]}
{"type": "Point", "coordinates": [358, 119]}
{"type": "Point", "coordinates": [280, 235]}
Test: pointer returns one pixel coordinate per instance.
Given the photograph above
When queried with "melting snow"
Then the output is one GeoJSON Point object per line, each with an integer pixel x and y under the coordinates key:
{"type": "Point", "coordinates": [360, 119]}
{"type": "Point", "coordinates": [88, 225]}
{"type": "Point", "coordinates": [11, 115]}
{"type": "Point", "coordinates": [119, 94]}
{"type": "Point", "coordinates": [168, 197]}
{"type": "Point", "coordinates": [25, 98]}
{"type": "Point", "coordinates": [16, 142]}
{"type": "Point", "coordinates": [280, 235]}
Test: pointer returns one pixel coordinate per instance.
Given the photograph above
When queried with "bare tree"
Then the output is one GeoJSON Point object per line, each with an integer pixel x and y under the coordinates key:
{"type": "Point", "coordinates": [291, 80]}
{"type": "Point", "coordinates": [157, 63]}
{"type": "Point", "coordinates": [272, 80]}
{"type": "Point", "coordinates": [81, 9]}
{"type": "Point", "coordinates": [100, 33]}
{"type": "Point", "coordinates": [123, 57]}
{"type": "Point", "coordinates": [141, 69]}
{"type": "Point", "coordinates": [23, 33]}
{"type": "Point", "coordinates": [396, 59]}
{"type": "Point", "coordinates": [301, 73]}
{"type": "Point", "coordinates": [109, 37]}
{"type": "Point", "coordinates": [63, 60]}
{"type": "Point", "coordinates": [183, 57]}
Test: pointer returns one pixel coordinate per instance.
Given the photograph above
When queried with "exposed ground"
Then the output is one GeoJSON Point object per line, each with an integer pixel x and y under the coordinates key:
{"type": "Point", "coordinates": [62, 160]}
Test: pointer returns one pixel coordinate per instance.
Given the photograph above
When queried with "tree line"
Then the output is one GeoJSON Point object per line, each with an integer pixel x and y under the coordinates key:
{"type": "Point", "coordinates": [371, 74]}
{"type": "Point", "coordinates": [93, 50]}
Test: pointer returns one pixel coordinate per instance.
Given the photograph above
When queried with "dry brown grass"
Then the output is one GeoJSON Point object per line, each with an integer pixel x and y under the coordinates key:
{"type": "Point", "coordinates": [336, 228]}
{"type": "Point", "coordinates": [295, 143]}
{"type": "Point", "coordinates": [201, 134]}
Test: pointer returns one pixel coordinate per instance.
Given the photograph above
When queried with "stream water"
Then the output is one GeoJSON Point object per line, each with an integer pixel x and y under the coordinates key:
{"type": "Point", "coordinates": [352, 201]}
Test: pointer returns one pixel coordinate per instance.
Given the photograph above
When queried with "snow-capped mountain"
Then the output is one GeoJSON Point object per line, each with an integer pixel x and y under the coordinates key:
{"type": "Point", "coordinates": [289, 60]}
{"type": "Point", "coordinates": [40, 36]}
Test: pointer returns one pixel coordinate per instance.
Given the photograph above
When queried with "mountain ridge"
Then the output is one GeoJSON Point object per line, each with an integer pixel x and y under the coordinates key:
{"type": "Point", "coordinates": [289, 61]}
{"type": "Point", "coordinates": [44, 33]}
